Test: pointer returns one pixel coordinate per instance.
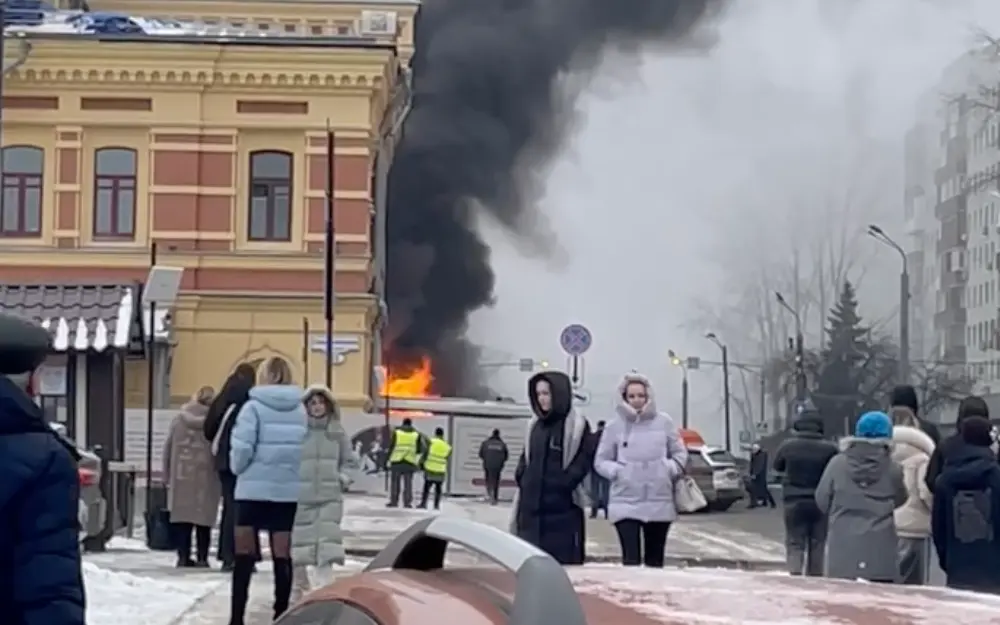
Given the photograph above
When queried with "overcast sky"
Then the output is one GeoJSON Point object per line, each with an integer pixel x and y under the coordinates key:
{"type": "Point", "coordinates": [689, 175]}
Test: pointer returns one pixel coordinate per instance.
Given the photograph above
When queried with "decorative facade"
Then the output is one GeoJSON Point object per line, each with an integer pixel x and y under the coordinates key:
{"type": "Point", "coordinates": [216, 151]}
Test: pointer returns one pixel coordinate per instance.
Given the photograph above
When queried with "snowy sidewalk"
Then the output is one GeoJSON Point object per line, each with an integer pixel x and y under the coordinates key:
{"type": "Point", "coordinates": [694, 540]}
{"type": "Point", "coordinates": [130, 584]}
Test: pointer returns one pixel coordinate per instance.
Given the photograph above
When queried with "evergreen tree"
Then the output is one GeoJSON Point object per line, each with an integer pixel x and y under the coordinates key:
{"type": "Point", "coordinates": [844, 369]}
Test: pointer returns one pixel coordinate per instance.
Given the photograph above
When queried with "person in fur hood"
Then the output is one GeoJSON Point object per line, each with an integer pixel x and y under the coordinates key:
{"type": "Point", "coordinates": [642, 454]}
{"type": "Point", "coordinates": [860, 489]}
{"type": "Point", "coordinates": [911, 451]}
{"type": "Point", "coordinates": [548, 509]}
{"type": "Point", "coordinates": [327, 463]}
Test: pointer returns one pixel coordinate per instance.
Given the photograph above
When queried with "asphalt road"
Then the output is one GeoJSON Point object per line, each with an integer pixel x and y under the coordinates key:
{"type": "Point", "coordinates": [767, 522]}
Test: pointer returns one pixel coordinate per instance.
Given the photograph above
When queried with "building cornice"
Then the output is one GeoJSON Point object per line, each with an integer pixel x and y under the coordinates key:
{"type": "Point", "coordinates": [88, 62]}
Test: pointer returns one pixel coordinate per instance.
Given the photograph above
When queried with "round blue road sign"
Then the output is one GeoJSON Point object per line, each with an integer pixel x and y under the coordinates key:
{"type": "Point", "coordinates": [575, 339]}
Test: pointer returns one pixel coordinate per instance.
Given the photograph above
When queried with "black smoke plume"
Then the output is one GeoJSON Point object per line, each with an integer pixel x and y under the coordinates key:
{"type": "Point", "coordinates": [490, 112]}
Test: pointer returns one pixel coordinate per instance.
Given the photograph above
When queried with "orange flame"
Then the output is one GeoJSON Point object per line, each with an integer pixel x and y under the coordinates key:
{"type": "Point", "coordinates": [415, 383]}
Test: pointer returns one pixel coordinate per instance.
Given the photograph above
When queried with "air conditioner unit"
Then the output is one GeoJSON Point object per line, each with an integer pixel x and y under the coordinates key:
{"type": "Point", "coordinates": [961, 274]}
{"type": "Point", "coordinates": [983, 346]}
{"type": "Point", "coordinates": [378, 24]}
{"type": "Point", "coordinates": [989, 266]}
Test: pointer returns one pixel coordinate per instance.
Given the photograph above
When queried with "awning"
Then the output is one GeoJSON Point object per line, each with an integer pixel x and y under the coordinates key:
{"type": "Point", "coordinates": [82, 317]}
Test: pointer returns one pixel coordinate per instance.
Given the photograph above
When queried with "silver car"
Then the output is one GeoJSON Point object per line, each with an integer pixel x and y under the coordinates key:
{"type": "Point", "coordinates": [92, 506]}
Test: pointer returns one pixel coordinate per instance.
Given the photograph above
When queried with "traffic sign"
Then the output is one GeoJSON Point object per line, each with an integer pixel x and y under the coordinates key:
{"type": "Point", "coordinates": [575, 339]}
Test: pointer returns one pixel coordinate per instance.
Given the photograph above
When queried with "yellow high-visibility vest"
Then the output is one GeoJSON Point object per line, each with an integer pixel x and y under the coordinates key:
{"type": "Point", "coordinates": [437, 456]}
{"type": "Point", "coordinates": [405, 447]}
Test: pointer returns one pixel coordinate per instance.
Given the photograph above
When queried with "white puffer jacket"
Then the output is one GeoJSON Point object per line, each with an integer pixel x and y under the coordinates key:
{"type": "Point", "coordinates": [911, 450]}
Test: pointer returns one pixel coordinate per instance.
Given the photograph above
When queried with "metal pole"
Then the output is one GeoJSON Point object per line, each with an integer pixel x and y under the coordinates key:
{"type": "Point", "coordinates": [150, 329]}
{"type": "Point", "coordinates": [305, 349]}
{"type": "Point", "coordinates": [763, 397]}
{"type": "Point", "coordinates": [904, 325]}
{"type": "Point", "coordinates": [800, 362]}
{"type": "Point", "coordinates": [684, 400]}
{"type": "Point", "coordinates": [725, 395]}
{"type": "Point", "coordinates": [330, 255]}
{"type": "Point", "coordinates": [3, 74]}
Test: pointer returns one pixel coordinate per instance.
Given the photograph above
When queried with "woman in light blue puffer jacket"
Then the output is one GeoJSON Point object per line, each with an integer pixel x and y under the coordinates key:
{"type": "Point", "coordinates": [642, 454]}
{"type": "Point", "coordinates": [265, 455]}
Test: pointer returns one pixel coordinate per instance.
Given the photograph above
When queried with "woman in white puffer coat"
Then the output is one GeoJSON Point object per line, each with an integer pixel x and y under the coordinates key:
{"type": "Point", "coordinates": [911, 450]}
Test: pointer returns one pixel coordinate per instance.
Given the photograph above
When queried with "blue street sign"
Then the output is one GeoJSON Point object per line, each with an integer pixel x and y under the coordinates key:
{"type": "Point", "coordinates": [575, 339]}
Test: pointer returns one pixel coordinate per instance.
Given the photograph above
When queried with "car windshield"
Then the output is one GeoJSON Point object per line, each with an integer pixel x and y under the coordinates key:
{"type": "Point", "coordinates": [721, 456]}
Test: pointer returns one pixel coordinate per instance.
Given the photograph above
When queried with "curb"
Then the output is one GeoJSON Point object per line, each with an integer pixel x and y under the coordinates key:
{"type": "Point", "coordinates": [676, 561]}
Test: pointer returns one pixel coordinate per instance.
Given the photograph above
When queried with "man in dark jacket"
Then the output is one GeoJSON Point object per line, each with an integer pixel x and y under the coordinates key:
{"type": "Point", "coordinates": [906, 396]}
{"type": "Point", "coordinates": [41, 582]}
{"type": "Point", "coordinates": [971, 406]}
{"type": "Point", "coordinates": [557, 456]}
{"type": "Point", "coordinates": [759, 493]}
{"type": "Point", "coordinates": [801, 460]}
{"type": "Point", "coordinates": [493, 454]}
{"type": "Point", "coordinates": [600, 486]}
{"type": "Point", "coordinates": [965, 520]}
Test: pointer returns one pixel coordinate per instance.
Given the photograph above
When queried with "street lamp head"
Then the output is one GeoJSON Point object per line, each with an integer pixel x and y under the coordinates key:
{"type": "Point", "coordinates": [671, 354]}
{"type": "Point", "coordinates": [544, 364]}
{"type": "Point", "coordinates": [781, 299]}
{"type": "Point", "coordinates": [873, 229]}
{"type": "Point", "coordinates": [711, 336]}
{"type": "Point", "coordinates": [675, 361]}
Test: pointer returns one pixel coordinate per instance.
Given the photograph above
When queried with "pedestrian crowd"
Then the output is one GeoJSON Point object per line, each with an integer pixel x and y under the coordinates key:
{"type": "Point", "coordinates": [880, 504]}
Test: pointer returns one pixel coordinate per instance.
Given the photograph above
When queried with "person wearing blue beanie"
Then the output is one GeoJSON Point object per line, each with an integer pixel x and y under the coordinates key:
{"type": "Point", "coordinates": [859, 491]}
{"type": "Point", "coordinates": [874, 424]}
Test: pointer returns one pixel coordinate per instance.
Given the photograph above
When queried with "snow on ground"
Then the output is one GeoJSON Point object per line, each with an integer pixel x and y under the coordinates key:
{"type": "Point", "coordinates": [724, 597]}
{"type": "Point", "coordinates": [122, 597]}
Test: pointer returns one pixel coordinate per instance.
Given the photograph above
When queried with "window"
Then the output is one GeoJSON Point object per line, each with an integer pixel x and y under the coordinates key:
{"type": "Point", "coordinates": [270, 196]}
{"type": "Point", "coordinates": [22, 191]}
{"type": "Point", "coordinates": [114, 193]}
{"type": "Point", "coordinates": [327, 613]}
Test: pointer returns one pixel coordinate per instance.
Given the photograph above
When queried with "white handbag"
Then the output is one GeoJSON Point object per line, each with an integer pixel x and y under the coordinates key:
{"type": "Point", "coordinates": [229, 414]}
{"type": "Point", "coordinates": [687, 496]}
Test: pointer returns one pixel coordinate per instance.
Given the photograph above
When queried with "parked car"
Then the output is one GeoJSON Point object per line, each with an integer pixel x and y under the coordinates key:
{"type": "Point", "coordinates": [717, 475]}
{"type": "Point", "coordinates": [93, 506]}
{"type": "Point", "coordinates": [408, 583]}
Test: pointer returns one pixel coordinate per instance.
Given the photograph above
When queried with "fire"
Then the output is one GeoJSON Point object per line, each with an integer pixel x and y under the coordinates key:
{"type": "Point", "coordinates": [415, 383]}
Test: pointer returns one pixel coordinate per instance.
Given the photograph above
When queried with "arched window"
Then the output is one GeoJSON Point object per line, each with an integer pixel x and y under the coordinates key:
{"type": "Point", "coordinates": [114, 193]}
{"type": "Point", "coordinates": [22, 191]}
{"type": "Point", "coordinates": [270, 207]}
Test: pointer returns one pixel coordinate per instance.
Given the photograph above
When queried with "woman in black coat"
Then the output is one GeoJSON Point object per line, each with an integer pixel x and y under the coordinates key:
{"type": "Point", "coordinates": [218, 428]}
{"type": "Point", "coordinates": [558, 454]}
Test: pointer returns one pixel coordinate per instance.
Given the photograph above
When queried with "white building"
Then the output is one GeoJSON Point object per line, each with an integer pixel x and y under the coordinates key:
{"type": "Point", "coordinates": [952, 217]}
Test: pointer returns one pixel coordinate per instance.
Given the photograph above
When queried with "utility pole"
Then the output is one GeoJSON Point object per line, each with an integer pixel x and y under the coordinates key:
{"type": "Point", "coordinates": [684, 399]}
{"type": "Point", "coordinates": [726, 399]}
{"type": "Point", "coordinates": [330, 254]}
{"type": "Point", "coordinates": [879, 235]}
{"type": "Point", "coordinates": [726, 403]}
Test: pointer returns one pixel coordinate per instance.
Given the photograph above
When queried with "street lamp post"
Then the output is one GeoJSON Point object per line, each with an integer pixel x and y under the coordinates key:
{"type": "Point", "coordinates": [800, 364]}
{"type": "Point", "coordinates": [727, 411]}
{"type": "Point", "coordinates": [678, 362]}
{"type": "Point", "coordinates": [904, 302]}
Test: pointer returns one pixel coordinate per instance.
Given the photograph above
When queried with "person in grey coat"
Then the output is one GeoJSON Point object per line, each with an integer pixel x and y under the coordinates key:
{"type": "Point", "coordinates": [327, 460]}
{"type": "Point", "coordinates": [859, 490]}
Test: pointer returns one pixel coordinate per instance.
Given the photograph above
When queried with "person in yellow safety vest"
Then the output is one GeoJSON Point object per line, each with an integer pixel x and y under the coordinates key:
{"type": "Point", "coordinates": [435, 465]}
{"type": "Point", "coordinates": [405, 450]}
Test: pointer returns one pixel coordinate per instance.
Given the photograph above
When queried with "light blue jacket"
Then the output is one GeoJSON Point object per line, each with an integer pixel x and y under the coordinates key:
{"type": "Point", "coordinates": [266, 446]}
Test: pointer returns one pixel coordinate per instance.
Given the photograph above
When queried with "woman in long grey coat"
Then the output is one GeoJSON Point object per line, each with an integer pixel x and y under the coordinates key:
{"type": "Point", "coordinates": [327, 457]}
{"type": "Point", "coordinates": [193, 487]}
{"type": "Point", "coordinates": [859, 490]}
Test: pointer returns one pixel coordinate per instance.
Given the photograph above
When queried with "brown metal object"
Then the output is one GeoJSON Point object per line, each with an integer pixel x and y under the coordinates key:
{"type": "Point", "coordinates": [482, 596]}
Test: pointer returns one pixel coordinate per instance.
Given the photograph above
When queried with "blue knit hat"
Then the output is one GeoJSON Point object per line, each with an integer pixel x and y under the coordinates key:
{"type": "Point", "coordinates": [874, 424]}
